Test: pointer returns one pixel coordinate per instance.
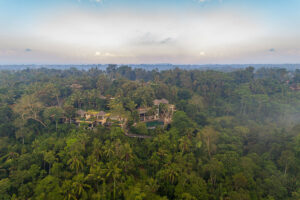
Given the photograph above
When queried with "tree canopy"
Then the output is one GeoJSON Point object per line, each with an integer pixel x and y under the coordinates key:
{"type": "Point", "coordinates": [234, 135]}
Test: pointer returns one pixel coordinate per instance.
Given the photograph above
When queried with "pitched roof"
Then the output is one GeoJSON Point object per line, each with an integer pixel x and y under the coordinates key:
{"type": "Point", "coordinates": [142, 110]}
{"type": "Point", "coordinates": [80, 112]}
{"type": "Point", "coordinates": [102, 97]}
{"type": "Point", "coordinates": [76, 86]}
{"type": "Point", "coordinates": [101, 113]}
{"type": "Point", "coordinates": [159, 101]}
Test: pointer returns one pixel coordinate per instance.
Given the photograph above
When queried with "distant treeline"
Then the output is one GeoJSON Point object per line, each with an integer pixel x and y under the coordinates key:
{"type": "Point", "coordinates": [159, 67]}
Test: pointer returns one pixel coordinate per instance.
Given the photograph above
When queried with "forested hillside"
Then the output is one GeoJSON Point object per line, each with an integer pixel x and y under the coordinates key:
{"type": "Point", "coordinates": [233, 136]}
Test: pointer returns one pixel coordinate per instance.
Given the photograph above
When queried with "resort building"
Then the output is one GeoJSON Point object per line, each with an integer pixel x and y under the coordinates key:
{"type": "Point", "coordinates": [156, 114]}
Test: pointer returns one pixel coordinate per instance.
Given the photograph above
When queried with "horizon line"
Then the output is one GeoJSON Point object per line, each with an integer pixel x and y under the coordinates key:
{"type": "Point", "coordinates": [152, 64]}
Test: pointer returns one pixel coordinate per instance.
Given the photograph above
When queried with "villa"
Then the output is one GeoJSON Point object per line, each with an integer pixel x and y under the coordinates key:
{"type": "Point", "coordinates": [91, 117]}
{"type": "Point", "coordinates": [147, 115]}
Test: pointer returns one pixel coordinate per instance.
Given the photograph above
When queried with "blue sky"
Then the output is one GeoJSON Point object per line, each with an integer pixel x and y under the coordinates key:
{"type": "Point", "coordinates": [144, 31]}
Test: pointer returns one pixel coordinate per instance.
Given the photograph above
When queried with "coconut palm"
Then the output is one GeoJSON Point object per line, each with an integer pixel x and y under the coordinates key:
{"type": "Point", "coordinates": [113, 172]}
{"type": "Point", "coordinates": [75, 162]}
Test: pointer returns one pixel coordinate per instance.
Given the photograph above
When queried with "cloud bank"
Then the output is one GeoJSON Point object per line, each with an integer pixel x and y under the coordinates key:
{"type": "Point", "coordinates": [135, 36]}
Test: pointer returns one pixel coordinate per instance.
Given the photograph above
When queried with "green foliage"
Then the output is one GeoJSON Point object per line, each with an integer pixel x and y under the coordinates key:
{"type": "Point", "coordinates": [141, 128]}
{"type": "Point", "coordinates": [234, 135]}
{"type": "Point", "coordinates": [181, 122]}
{"type": "Point", "coordinates": [48, 188]}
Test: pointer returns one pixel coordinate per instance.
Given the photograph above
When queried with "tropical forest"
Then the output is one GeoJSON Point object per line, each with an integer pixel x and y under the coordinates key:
{"type": "Point", "coordinates": [136, 134]}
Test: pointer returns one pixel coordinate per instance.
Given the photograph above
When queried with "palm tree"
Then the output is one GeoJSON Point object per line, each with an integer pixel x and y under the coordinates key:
{"type": "Point", "coordinates": [171, 173]}
{"type": "Point", "coordinates": [97, 173]}
{"type": "Point", "coordinates": [114, 173]}
{"type": "Point", "coordinates": [75, 162]}
{"type": "Point", "coordinates": [107, 149]}
{"type": "Point", "coordinates": [49, 157]}
{"type": "Point", "coordinates": [127, 152]}
{"type": "Point", "coordinates": [68, 190]}
{"type": "Point", "coordinates": [152, 185]}
{"type": "Point", "coordinates": [97, 149]}
{"type": "Point", "coordinates": [79, 185]}
{"type": "Point", "coordinates": [184, 144]}
{"type": "Point", "coordinates": [126, 155]}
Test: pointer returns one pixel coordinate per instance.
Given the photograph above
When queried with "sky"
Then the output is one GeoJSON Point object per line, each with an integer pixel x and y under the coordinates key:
{"type": "Point", "coordinates": [149, 31]}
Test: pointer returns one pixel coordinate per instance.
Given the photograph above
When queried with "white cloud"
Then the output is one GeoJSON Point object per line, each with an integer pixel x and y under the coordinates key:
{"type": "Point", "coordinates": [136, 37]}
{"type": "Point", "coordinates": [106, 54]}
{"type": "Point", "coordinates": [8, 52]}
{"type": "Point", "coordinates": [98, 1]}
{"type": "Point", "coordinates": [204, 1]}
{"type": "Point", "coordinates": [150, 38]}
{"type": "Point", "coordinates": [133, 36]}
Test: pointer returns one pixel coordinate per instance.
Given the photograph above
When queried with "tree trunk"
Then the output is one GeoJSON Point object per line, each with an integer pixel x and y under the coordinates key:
{"type": "Point", "coordinates": [114, 189]}
{"type": "Point", "coordinates": [208, 147]}
{"type": "Point", "coordinates": [285, 169]}
{"type": "Point", "coordinates": [57, 99]}
{"type": "Point", "coordinates": [39, 121]}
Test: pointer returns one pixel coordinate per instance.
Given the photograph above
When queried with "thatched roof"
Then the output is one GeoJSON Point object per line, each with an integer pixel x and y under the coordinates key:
{"type": "Point", "coordinates": [160, 101]}
{"type": "Point", "coordinates": [142, 110]}
{"type": "Point", "coordinates": [80, 112]}
{"type": "Point", "coordinates": [295, 87]}
{"type": "Point", "coordinates": [101, 113]}
{"type": "Point", "coordinates": [102, 97]}
{"type": "Point", "coordinates": [76, 86]}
